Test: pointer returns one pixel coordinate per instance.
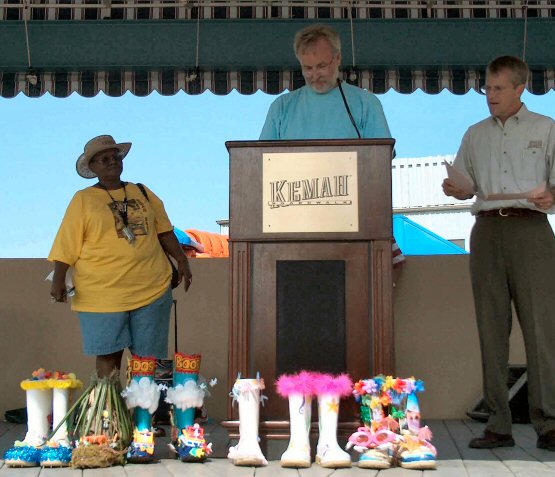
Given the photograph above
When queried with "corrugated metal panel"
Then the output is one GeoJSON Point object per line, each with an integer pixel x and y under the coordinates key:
{"type": "Point", "coordinates": [416, 182]}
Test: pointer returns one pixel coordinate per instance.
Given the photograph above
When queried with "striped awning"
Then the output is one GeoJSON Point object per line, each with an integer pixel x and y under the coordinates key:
{"type": "Point", "coordinates": [89, 46]}
{"type": "Point", "coordinates": [168, 83]}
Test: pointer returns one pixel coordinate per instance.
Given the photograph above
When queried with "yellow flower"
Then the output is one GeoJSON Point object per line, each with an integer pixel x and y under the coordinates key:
{"type": "Point", "coordinates": [375, 402]}
{"type": "Point", "coordinates": [389, 382]}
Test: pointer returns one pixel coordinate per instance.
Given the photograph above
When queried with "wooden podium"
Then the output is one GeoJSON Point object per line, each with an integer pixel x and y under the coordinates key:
{"type": "Point", "coordinates": [311, 267]}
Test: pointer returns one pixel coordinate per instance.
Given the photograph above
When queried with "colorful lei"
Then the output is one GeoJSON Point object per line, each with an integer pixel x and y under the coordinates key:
{"type": "Point", "coordinates": [382, 390]}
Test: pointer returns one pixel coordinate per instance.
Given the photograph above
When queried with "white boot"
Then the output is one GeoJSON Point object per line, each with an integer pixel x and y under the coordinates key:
{"type": "Point", "coordinates": [26, 453]}
{"type": "Point", "coordinates": [39, 405]}
{"type": "Point", "coordinates": [298, 451]}
{"type": "Point", "coordinates": [247, 452]}
{"type": "Point", "coordinates": [298, 389]}
{"type": "Point", "coordinates": [328, 452]}
{"type": "Point", "coordinates": [57, 452]}
{"type": "Point", "coordinates": [60, 403]}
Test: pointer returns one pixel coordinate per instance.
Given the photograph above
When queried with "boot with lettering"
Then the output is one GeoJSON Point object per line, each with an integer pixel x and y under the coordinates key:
{"type": "Point", "coordinates": [248, 393]}
{"type": "Point", "coordinates": [142, 395]}
{"type": "Point", "coordinates": [186, 395]}
{"type": "Point", "coordinates": [330, 389]}
{"type": "Point", "coordinates": [298, 389]}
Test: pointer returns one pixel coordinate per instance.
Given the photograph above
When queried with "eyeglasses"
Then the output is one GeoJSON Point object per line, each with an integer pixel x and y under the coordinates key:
{"type": "Point", "coordinates": [319, 68]}
{"type": "Point", "coordinates": [106, 159]}
{"type": "Point", "coordinates": [492, 89]}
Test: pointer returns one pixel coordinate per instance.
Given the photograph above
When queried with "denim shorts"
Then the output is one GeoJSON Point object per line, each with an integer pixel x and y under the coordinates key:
{"type": "Point", "coordinates": [144, 330]}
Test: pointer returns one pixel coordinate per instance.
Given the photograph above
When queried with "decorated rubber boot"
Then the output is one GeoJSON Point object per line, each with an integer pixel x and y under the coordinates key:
{"type": "Point", "coordinates": [330, 389]}
{"type": "Point", "coordinates": [187, 395]}
{"type": "Point", "coordinates": [298, 389]}
{"type": "Point", "coordinates": [377, 439]}
{"type": "Point", "coordinates": [248, 393]}
{"type": "Point", "coordinates": [142, 396]}
{"type": "Point", "coordinates": [58, 450]}
{"type": "Point", "coordinates": [26, 453]}
{"type": "Point", "coordinates": [415, 450]}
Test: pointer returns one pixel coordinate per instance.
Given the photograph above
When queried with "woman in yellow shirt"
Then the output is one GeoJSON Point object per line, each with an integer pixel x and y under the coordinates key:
{"type": "Point", "coordinates": [115, 237]}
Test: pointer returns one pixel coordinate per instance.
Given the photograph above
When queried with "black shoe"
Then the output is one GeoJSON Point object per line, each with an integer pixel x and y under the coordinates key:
{"type": "Point", "coordinates": [547, 441]}
{"type": "Point", "coordinates": [491, 440]}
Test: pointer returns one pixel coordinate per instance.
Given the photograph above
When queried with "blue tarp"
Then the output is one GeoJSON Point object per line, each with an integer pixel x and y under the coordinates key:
{"type": "Point", "coordinates": [184, 239]}
{"type": "Point", "coordinates": [413, 239]}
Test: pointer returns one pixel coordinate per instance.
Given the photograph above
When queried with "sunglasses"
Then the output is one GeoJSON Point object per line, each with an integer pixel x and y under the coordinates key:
{"type": "Point", "coordinates": [106, 160]}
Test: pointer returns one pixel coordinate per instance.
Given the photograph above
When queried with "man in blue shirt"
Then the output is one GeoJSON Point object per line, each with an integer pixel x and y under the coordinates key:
{"type": "Point", "coordinates": [318, 110]}
{"type": "Point", "coordinates": [326, 107]}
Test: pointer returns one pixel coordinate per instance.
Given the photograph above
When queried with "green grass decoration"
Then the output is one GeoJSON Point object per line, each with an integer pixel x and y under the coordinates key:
{"type": "Point", "coordinates": [101, 410]}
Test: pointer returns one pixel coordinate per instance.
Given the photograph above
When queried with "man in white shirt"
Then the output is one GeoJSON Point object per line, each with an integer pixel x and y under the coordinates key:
{"type": "Point", "coordinates": [509, 158]}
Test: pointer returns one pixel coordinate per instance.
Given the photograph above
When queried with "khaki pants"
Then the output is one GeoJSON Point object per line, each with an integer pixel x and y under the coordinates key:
{"type": "Point", "coordinates": [513, 259]}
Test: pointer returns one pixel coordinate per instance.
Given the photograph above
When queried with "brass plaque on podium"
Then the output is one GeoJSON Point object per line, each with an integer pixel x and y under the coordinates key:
{"type": "Point", "coordinates": [310, 192]}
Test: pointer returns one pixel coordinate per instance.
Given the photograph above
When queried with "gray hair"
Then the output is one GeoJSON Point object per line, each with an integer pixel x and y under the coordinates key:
{"type": "Point", "coordinates": [311, 34]}
{"type": "Point", "coordinates": [516, 66]}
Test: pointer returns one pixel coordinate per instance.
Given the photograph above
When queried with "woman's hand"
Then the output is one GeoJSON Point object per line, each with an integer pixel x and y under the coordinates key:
{"type": "Point", "coordinates": [58, 292]}
{"type": "Point", "coordinates": [184, 272]}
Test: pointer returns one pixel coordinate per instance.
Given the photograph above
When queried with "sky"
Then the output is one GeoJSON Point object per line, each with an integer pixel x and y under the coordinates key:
{"type": "Point", "coordinates": [178, 149]}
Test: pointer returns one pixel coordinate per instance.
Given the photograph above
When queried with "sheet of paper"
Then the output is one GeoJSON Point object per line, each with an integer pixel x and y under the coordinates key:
{"type": "Point", "coordinates": [519, 195]}
{"type": "Point", "coordinates": [459, 179]}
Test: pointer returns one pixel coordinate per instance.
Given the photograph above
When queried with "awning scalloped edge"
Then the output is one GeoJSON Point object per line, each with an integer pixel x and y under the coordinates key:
{"type": "Point", "coordinates": [168, 83]}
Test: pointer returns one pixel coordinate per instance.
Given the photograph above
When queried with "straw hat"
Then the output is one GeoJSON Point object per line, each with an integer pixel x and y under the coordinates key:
{"type": "Point", "coordinates": [94, 146]}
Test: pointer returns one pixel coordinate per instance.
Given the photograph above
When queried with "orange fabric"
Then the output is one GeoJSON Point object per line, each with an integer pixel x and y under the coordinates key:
{"type": "Point", "coordinates": [194, 233]}
{"type": "Point", "coordinates": [215, 245]}
{"type": "Point", "coordinates": [225, 241]}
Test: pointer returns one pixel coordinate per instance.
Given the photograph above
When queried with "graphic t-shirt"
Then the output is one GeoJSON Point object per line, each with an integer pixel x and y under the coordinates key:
{"type": "Point", "coordinates": [110, 274]}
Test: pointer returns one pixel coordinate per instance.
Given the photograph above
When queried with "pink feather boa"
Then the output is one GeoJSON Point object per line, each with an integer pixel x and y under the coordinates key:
{"type": "Point", "coordinates": [312, 383]}
{"type": "Point", "coordinates": [340, 385]}
{"type": "Point", "coordinates": [301, 383]}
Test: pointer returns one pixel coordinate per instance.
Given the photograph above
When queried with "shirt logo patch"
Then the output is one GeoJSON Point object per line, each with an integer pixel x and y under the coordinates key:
{"type": "Point", "coordinates": [535, 144]}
